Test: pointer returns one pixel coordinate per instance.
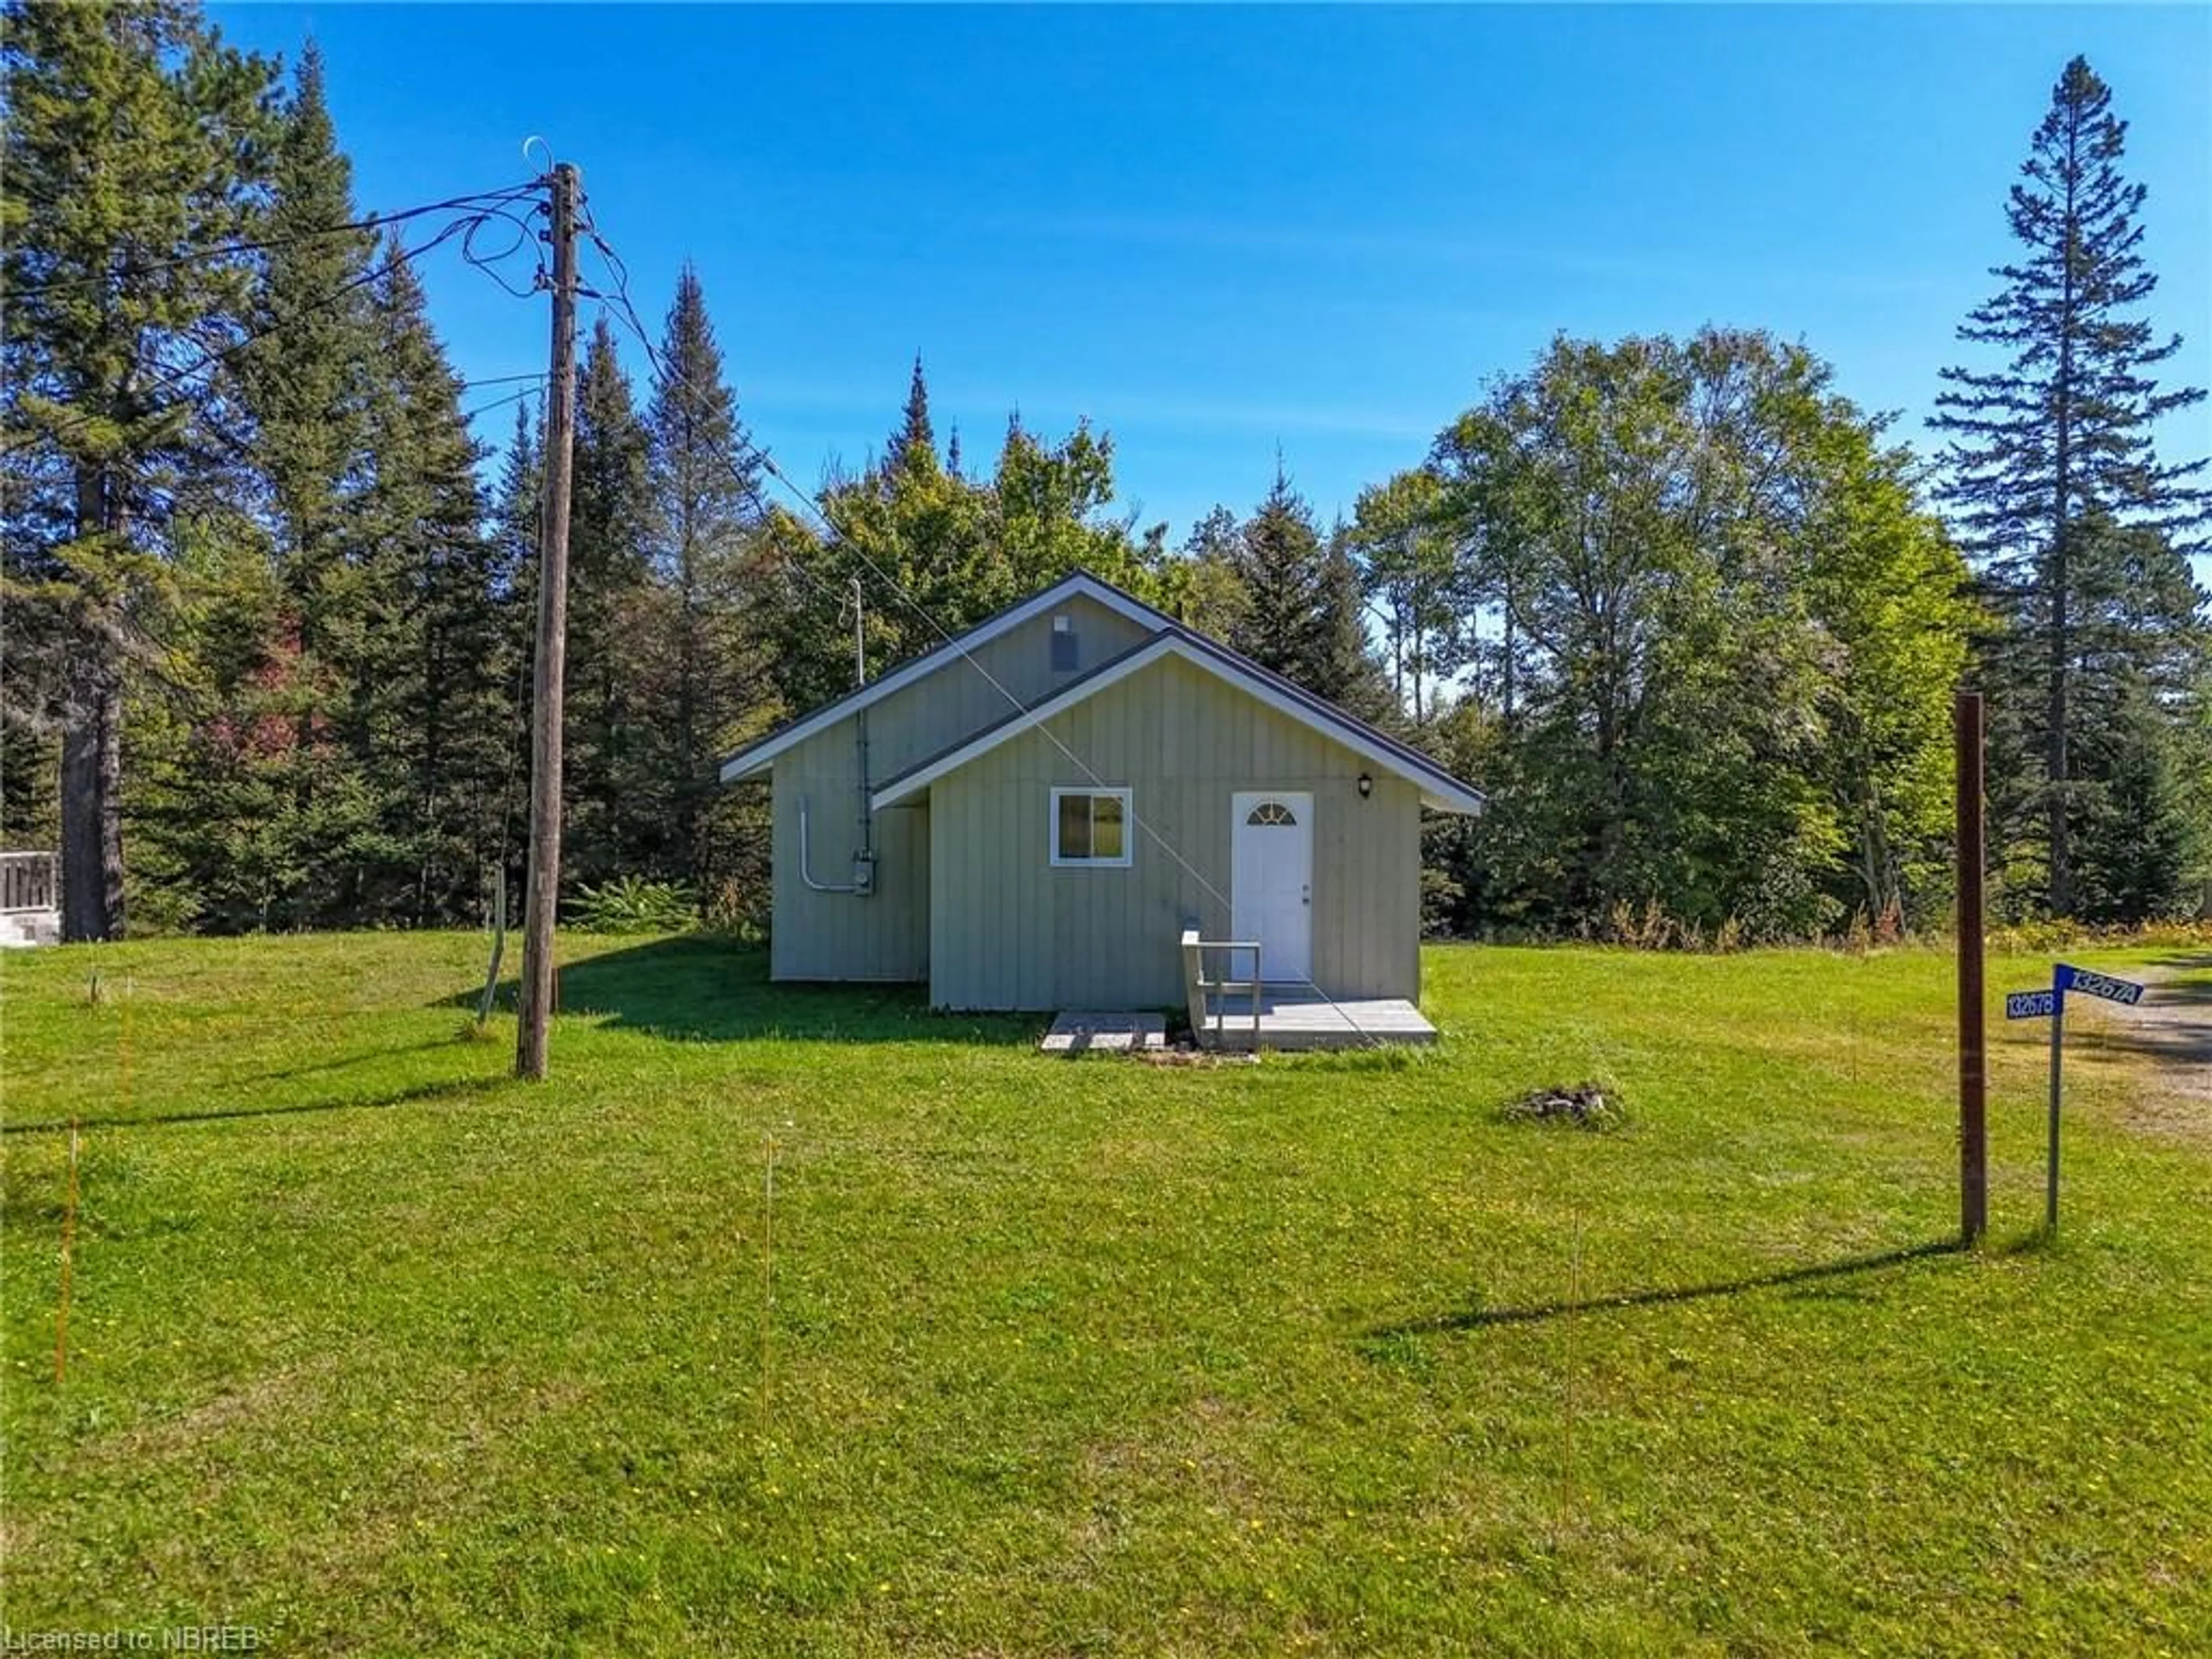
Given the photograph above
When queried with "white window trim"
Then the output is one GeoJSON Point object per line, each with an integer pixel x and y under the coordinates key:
{"type": "Point", "coordinates": [1128, 830]}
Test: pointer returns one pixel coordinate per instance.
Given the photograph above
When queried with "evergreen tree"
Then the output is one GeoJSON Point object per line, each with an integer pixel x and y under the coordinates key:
{"type": "Point", "coordinates": [705, 493]}
{"type": "Point", "coordinates": [1301, 610]}
{"type": "Point", "coordinates": [426, 725]}
{"type": "Point", "coordinates": [303, 391]}
{"type": "Point", "coordinates": [913, 446]}
{"type": "Point", "coordinates": [517, 515]}
{"type": "Point", "coordinates": [617, 805]}
{"type": "Point", "coordinates": [135, 143]}
{"type": "Point", "coordinates": [2062, 433]}
{"type": "Point", "coordinates": [214, 798]}
{"type": "Point", "coordinates": [2144, 644]}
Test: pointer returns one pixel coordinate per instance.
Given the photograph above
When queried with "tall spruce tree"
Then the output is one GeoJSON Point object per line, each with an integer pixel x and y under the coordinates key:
{"type": "Point", "coordinates": [518, 509]}
{"type": "Point", "coordinates": [1301, 609]}
{"type": "Point", "coordinates": [425, 723]}
{"type": "Point", "coordinates": [705, 497]}
{"type": "Point", "coordinates": [2060, 435]}
{"type": "Point", "coordinates": [913, 446]}
{"type": "Point", "coordinates": [303, 389]}
{"type": "Point", "coordinates": [617, 806]}
{"type": "Point", "coordinates": [304, 392]}
{"type": "Point", "coordinates": [136, 142]}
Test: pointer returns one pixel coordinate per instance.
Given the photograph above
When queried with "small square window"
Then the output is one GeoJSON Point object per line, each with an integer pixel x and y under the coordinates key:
{"type": "Point", "coordinates": [1090, 827]}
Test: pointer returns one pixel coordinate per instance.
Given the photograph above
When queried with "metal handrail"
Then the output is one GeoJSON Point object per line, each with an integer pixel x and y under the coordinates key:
{"type": "Point", "coordinates": [28, 881]}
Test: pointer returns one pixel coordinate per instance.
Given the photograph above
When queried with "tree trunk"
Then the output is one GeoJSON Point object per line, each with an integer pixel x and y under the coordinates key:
{"type": "Point", "coordinates": [92, 755]}
{"type": "Point", "coordinates": [2055, 762]}
{"type": "Point", "coordinates": [92, 805]}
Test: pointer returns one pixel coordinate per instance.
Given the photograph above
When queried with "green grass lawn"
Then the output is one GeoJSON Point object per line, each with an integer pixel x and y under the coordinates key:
{"type": "Point", "coordinates": [381, 1353]}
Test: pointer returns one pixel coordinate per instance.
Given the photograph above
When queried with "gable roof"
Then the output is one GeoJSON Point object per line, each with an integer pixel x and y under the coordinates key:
{"type": "Point", "coordinates": [758, 756]}
{"type": "Point", "coordinates": [1439, 787]}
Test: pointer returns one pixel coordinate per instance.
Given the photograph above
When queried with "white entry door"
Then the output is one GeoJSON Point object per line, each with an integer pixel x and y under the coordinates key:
{"type": "Point", "coordinates": [1271, 879]}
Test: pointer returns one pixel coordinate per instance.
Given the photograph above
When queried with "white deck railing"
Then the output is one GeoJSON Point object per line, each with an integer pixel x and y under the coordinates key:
{"type": "Point", "coordinates": [26, 881]}
{"type": "Point", "coordinates": [1207, 1023]}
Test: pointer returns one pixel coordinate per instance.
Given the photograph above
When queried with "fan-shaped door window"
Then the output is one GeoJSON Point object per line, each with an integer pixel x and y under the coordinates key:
{"type": "Point", "coordinates": [1271, 814]}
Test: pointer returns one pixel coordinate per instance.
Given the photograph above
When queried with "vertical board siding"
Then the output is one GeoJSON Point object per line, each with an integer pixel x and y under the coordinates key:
{"type": "Point", "coordinates": [888, 934]}
{"type": "Point", "coordinates": [1006, 930]}
{"type": "Point", "coordinates": [960, 698]}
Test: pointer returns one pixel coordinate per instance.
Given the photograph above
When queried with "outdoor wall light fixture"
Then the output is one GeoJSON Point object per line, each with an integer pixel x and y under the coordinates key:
{"type": "Point", "coordinates": [1366, 785]}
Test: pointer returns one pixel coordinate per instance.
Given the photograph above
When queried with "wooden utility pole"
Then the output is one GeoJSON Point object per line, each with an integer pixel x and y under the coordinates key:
{"type": "Point", "coordinates": [543, 892]}
{"type": "Point", "coordinates": [1974, 1057]}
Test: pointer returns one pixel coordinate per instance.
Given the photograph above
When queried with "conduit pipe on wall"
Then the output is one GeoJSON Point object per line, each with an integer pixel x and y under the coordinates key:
{"type": "Point", "coordinates": [806, 859]}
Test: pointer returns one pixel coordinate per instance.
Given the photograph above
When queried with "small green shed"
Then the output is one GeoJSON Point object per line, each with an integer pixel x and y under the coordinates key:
{"type": "Point", "coordinates": [1033, 815]}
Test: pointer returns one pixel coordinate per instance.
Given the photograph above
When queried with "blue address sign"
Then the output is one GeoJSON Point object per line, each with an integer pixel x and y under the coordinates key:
{"type": "Point", "coordinates": [2030, 1004]}
{"type": "Point", "coordinates": [2090, 984]}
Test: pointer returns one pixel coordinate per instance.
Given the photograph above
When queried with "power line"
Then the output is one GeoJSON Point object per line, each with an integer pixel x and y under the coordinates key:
{"type": "Point", "coordinates": [210, 358]}
{"type": "Point", "coordinates": [628, 314]}
{"type": "Point", "coordinates": [372, 223]}
{"type": "Point", "coordinates": [499, 403]}
{"type": "Point", "coordinates": [501, 379]}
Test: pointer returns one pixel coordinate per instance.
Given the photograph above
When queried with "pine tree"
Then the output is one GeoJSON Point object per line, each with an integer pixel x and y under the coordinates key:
{"type": "Point", "coordinates": [303, 391]}
{"type": "Point", "coordinates": [214, 801]}
{"type": "Point", "coordinates": [2063, 431]}
{"type": "Point", "coordinates": [1278, 564]}
{"type": "Point", "coordinates": [1301, 608]}
{"type": "Point", "coordinates": [135, 143]}
{"type": "Point", "coordinates": [705, 495]}
{"type": "Point", "coordinates": [425, 726]}
{"type": "Point", "coordinates": [913, 446]}
{"type": "Point", "coordinates": [517, 509]}
{"type": "Point", "coordinates": [617, 806]}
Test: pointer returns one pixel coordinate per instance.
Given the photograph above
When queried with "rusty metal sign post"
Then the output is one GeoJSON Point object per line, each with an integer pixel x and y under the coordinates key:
{"type": "Point", "coordinates": [2050, 1004]}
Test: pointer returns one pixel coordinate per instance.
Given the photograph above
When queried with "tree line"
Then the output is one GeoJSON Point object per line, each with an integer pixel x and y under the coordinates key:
{"type": "Point", "coordinates": [1690, 616]}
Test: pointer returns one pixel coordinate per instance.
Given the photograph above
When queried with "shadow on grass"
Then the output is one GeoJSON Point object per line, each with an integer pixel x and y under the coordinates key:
{"type": "Point", "coordinates": [701, 989]}
{"type": "Point", "coordinates": [1477, 1318]}
{"type": "Point", "coordinates": [413, 1094]}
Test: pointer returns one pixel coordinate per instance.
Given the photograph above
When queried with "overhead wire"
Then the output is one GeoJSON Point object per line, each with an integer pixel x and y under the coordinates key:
{"type": "Point", "coordinates": [371, 223]}
{"type": "Point", "coordinates": [499, 403]}
{"type": "Point", "coordinates": [627, 312]}
{"type": "Point", "coordinates": [464, 225]}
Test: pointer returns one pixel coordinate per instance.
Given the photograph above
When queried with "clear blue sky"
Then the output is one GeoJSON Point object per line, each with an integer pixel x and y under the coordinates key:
{"type": "Point", "coordinates": [1217, 231]}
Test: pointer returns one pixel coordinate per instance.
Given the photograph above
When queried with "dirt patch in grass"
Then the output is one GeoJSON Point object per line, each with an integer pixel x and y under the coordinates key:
{"type": "Point", "coordinates": [1593, 1106]}
{"type": "Point", "coordinates": [265, 1402]}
